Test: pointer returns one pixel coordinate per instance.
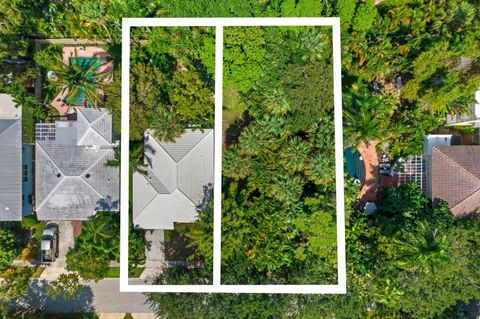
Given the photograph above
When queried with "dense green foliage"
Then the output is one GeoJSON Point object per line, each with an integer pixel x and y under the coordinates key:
{"type": "Point", "coordinates": [171, 81]}
{"type": "Point", "coordinates": [98, 244]}
{"type": "Point", "coordinates": [411, 260]}
{"type": "Point", "coordinates": [10, 244]}
{"type": "Point", "coordinates": [279, 166]}
{"type": "Point", "coordinates": [429, 47]}
{"type": "Point", "coordinates": [67, 285]}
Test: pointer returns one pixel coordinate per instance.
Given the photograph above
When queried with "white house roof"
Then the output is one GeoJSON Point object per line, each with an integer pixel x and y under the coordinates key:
{"type": "Point", "coordinates": [94, 127]}
{"type": "Point", "coordinates": [179, 175]}
{"type": "Point", "coordinates": [8, 108]}
{"type": "Point", "coordinates": [72, 181]}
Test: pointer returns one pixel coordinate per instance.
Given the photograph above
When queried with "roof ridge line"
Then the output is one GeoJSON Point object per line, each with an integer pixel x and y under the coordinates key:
{"type": "Point", "coordinates": [152, 175]}
{"type": "Point", "coordinates": [146, 206]}
{"type": "Point", "coordinates": [93, 188]}
{"type": "Point", "coordinates": [94, 163]}
{"type": "Point", "coordinates": [195, 145]}
{"type": "Point", "coordinates": [49, 194]}
{"type": "Point", "coordinates": [92, 123]}
{"type": "Point", "coordinates": [11, 124]}
{"type": "Point", "coordinates": [50, 158]}
{"type": "Point", "coordinates": [158, 142]}
{"type": "Point", "coordinates": [186, 196]}
{"type": "Point", "coordinates": [96, 132]}
{"type": "Point", "coordinates": [454, 162]}
{"type": "Point", "coordinates": [478, 190]}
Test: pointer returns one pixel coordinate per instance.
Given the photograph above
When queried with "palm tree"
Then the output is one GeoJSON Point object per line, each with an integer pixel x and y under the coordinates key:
{"type": "Point", "coordinates": [251, 142]}
{"type": "Point", "coordinates": [276, 102]}
{"type": "Point", "coordinates": [315, 45]}
{"type": "Point", "coordinates": [421, 250]}
{"type": "Point", "coordinates": [167, 125]}
{"type": "Point", "coordinates": [234, 164]}
{"type": "Point", "coordinates": [79, 77]}
{"type": "Point", "coordinates": [294, 155]}
{"type": "Point", "coordinates": [321, 169]}
{"type": "Point", "coordinates": [363, 119]}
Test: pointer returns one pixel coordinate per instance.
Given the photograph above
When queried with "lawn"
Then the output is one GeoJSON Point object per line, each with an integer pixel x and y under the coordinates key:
{"type": "Point", "coordinates": [38, 272]}
{"type": "Point", "coordinates": [36, 227]}
{"type": "Point", "coordinates": [114, 272]}
{"type": "Point", "coordinates": [233, 109]}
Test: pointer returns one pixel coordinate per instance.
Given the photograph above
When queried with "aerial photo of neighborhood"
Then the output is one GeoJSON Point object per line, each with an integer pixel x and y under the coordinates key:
{"type": "Point", "coordinates": [411, 147]}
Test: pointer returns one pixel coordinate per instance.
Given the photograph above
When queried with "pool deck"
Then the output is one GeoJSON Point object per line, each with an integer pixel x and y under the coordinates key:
{"type": "Point", "coordinates": [368, 192]}
{"type": "Point", "coordinates": [87, 52]}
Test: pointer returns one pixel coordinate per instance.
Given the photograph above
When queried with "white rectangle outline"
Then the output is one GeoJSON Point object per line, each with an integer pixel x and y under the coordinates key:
{"type": "Point", "coordinates": [217, 287]}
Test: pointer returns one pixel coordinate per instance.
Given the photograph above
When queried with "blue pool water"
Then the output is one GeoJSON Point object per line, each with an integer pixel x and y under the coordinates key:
{"type": "Point", "coordinates": [354, 164]}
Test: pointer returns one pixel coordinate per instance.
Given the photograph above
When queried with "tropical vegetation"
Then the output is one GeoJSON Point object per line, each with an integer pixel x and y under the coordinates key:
{"type": "Point", "coordinates": [99, 244]}
{"type": "Point", "coordinates": [415, 61]}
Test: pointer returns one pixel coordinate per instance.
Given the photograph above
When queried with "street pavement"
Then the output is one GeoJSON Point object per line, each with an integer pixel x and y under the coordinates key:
{"type": "Point", "coordinates": [99, 297]}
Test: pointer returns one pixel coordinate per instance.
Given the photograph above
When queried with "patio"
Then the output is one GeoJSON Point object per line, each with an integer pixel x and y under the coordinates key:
{"type": "Point", "coordinates": [80, 52]}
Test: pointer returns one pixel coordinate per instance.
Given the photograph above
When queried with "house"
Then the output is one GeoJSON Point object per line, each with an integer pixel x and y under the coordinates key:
{"type": "Point", "coordinates": [178, 180]}
{"type": "Point", "coordinates": [454, 176]}
{"type": "Point", "coordinates": [471, 118]}
{"type": "Point", "coordinates": [72, 178]}
{"type": "Point", "coordinates": [10, 159]}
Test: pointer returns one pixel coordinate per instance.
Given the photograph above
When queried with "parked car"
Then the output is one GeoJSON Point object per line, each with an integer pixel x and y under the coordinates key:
{"type": "Point", "coordinates": [49, 243]}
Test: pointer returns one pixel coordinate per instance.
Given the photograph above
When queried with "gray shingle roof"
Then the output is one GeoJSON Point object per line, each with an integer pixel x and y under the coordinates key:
{"type": "Point", "coordinates": [177, 175]}
{"type": "Point", "coordinates": [10, 169]}
{"type": "Point", "coordinates": [72, 182]}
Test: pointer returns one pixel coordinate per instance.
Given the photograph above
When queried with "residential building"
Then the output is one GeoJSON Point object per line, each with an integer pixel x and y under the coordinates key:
{"type": "Point", "coordinates": [455, 177]}
{"type": "Point", "coordinates": [178, 179]}
{"type": "Point", "coordinates": [72, 178]}
{"type": "Point", "coordinates": [471, 118]}
{"type": "Point", "coordinates": [448, 171]}
{"type": "Point", "coordinates": [10, 159]}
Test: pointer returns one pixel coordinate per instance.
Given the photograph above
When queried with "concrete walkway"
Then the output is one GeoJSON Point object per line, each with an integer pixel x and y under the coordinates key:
{"type": "Point", "coordinates": [66, 241]}
{"type": "Point", "coordinates": [154, 253]}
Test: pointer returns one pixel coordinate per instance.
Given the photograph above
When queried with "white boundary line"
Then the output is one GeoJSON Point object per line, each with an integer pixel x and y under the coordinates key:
{"type": "Point", "coordinates": [217, 287]}
{"type": "Point", "coordinates": [217, 188]}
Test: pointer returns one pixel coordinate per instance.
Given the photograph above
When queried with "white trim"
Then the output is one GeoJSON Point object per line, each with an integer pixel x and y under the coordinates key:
{"type": "Point", "coordinates": [217, 287]}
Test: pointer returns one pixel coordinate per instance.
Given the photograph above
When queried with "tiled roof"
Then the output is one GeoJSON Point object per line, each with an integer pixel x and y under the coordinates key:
{"type": "Point", "coordinates": [178, 173]}
{"type": "Point", "coordinates": [455, 177]}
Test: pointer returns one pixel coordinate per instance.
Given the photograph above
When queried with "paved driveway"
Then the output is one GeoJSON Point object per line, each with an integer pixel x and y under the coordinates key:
{"type": "Point", "coordinates": [66, 241]}
{"type": "Point", "coordinates": [154, 253]}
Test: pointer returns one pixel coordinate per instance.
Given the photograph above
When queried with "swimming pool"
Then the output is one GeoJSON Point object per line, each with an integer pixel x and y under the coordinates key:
{"type": "Point", "coordinates": [354, 164]}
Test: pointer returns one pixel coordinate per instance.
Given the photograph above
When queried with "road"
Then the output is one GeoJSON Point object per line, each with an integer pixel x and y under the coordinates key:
{"type": "Point", "coordinates": [103, 296]}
